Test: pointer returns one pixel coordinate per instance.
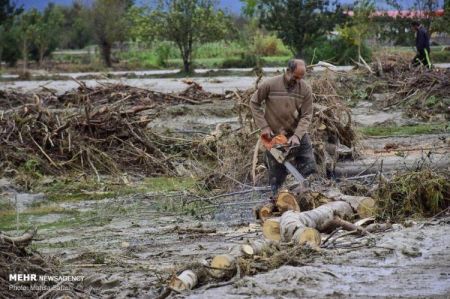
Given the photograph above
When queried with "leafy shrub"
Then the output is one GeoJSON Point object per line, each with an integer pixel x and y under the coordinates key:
{"type": "Point", "coordinates": [269, 45]}
{"type": "Point", "coordinates": [440, 56]}
{"type": "Point", "coordinates": [162, 52]}
{"type": "Point", "coordinates": [246, 60]}
{"type": "Point", "coordinates": [218, 49]}
{"type": "Point", "coordinates": [336, 51]}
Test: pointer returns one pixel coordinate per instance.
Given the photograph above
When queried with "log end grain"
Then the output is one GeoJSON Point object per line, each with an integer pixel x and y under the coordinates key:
{"type": "Point", "coordinates": [307, 235]}
{"type": "Point", "coordinates": [286, 201]}
{"type": "Point", "coordinates": [271, 229]}
{"type": "Point", "coordinates": [366, 208]}
{"type": "Point", "coordinates": [222, 264]}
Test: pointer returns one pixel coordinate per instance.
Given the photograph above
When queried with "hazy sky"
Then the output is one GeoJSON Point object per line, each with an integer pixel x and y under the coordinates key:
{"type": "Point", "coordinates": [230, 5]}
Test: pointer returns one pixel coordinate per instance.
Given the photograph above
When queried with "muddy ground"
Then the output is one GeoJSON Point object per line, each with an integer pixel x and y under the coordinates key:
{"type": "Point", "coordinates": [129, 246]}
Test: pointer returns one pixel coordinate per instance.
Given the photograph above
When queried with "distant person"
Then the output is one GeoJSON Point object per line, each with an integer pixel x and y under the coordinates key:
{"type": "Point", "coordinates": [422, 45]}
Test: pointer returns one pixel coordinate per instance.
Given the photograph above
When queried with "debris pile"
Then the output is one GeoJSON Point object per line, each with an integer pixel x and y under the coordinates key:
{"type": "Point", "coordinates": [195, 91]}
{"type": "Point", "coordinates": [421, 91]}
{"type": "Point", "coordinates": [425, 94]}
{"type": "Point", "coordinates": [17, 258]}
{"type": "Point", "coordinates": [421, 193]}
{"type": "Point", "coordinates": [100, 130]}
{"type": "Point", "coordinates": [250, 258]}
{"type": "Point", "coordinates": [103, 139]}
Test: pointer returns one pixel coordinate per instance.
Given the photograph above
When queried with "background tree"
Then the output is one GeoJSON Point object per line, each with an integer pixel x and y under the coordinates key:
{"type": "Point", "coordinates": [76, 26]}
{"type": "Point", "coordinates": [394, 30]}
{"type": "Point", "coordinates": [426, 9]}
{"type": "Point", "coordinates": [26, 29]}
{"type": "Point", "coordinates": [109, 24]}
{"type": "Point", "coordinates": [47, 31]}
{"type": "Point", "coordinates": [9, 48]}
{"type": "Point", "coordinates": [360, 26]}
{"type": "Point", "coordinates": [187, 23]}
{"type": "Point", "coordinates": [442, 24]}
{"type": "Point", "coordinates": [297, 22]}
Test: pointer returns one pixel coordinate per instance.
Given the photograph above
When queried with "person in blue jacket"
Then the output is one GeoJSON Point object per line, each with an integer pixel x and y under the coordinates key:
{"type": "Point", "coordinates": [422, 45]}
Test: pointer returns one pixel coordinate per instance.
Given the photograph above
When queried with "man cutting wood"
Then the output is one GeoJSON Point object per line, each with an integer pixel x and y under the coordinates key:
{"type": "Point", "coordinates": [288, 111]}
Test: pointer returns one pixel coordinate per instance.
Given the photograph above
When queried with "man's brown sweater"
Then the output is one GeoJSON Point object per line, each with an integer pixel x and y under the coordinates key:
{"type": "Point", "coordinates": [286, 109]}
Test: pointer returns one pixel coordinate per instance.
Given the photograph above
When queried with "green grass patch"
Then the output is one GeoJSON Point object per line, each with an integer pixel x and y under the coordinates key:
{"type": "Point", "coordinates": [416, 129]}
{"type": "Point", "coordinates": [73, 190]}
{"type": "Point", "coordinates": [166, 184]}
{"type": "Point", "coordinates": [8, 218]}
{"type": "Point", "coordinates": [69, 190]}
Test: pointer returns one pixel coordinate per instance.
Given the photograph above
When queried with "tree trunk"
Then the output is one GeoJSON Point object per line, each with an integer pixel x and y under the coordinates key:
{"type": "Point", "coordinates": [186, 65]}
{"type": "Point", "coordinates": [25, 55]}
{"type": "Point", "coordinates": [106, 53]}
{"type": "Point", "coordinates": [41, 56]}
{"type": "Point", "coordinates": [359, 52]}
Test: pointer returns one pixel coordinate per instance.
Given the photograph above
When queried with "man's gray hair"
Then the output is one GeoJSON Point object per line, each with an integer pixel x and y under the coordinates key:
{"type": "Point", "coordinates": [293, 63]}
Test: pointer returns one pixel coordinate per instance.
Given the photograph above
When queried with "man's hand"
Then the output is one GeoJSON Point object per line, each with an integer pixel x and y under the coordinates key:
{"type": "Point", "coordinates": [267, 131]}
{"type": "Point", "coordinates": [294, 140]}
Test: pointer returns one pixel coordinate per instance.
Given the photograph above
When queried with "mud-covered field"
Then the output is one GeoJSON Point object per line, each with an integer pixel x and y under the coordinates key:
{"type": "Point", "coordinates": [130, 245]}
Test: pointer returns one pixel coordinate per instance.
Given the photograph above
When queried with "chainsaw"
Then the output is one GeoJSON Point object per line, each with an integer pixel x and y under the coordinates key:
{"type": "Point", "coordinates": [279, 148]}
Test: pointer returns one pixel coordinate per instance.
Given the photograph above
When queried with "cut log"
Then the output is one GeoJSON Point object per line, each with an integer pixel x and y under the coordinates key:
{"type": "Point", "coordinates": [266, 211]}
{"type": "Point", "coordinates": [223, 265]}
{"type": "Point", "coordinates": [253, 248]}
{"type": "Point", "coordinates": [363, 205]}
{"type": "Point", "coordinates": [183, 282]}
{"type": "Point", "coordinates": [307, 235]}
{"type": "Point", "coordinates": [286, 201]}
{"type": "Point", "coordinates": [271, 229]}
{"type": "Point", "coordinates": [291, 221]}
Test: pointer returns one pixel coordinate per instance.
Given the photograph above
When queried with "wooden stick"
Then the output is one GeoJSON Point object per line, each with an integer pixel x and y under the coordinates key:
{"type": "Point", "coordinates": [23, 240]}
{"type": "Point", "coordinates": [43, 152]}
{"type": "Point", "coordinates": [255, 160]}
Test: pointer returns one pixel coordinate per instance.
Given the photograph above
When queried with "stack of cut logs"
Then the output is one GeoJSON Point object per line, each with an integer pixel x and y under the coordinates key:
{"type": "Point", "coordinates": [284, 222]}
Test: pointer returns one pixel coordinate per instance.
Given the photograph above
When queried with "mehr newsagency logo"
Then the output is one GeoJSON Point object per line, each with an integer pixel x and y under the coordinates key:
{"type": "Point", "coordinates": [36, 278]}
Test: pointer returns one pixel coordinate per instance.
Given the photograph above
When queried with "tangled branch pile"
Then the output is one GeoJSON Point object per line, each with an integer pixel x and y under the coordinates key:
{"type": "Point", "coordinates": [104, 130]}
{"type": "Point", "coordinates": [423, 92]}
{"type": "Point", "coordinates": [15, 258]}
{"type": "Point", "coordinates": [332, 123]}
{"type": "Point", "coordinates": [421, 193]}
{"type": "Point", "coordinates": [100, 130]}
